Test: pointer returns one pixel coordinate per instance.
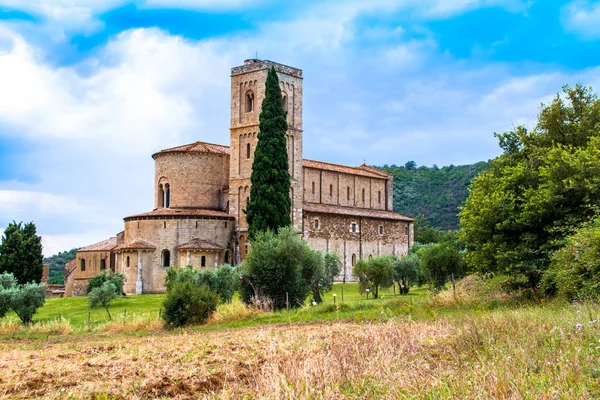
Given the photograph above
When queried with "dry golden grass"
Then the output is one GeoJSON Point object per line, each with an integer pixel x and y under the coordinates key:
{"type": "Point", "coordinates": [59, 326]}
{"type": "Point", "coordinates": [507, 354]}
{"type": "Point", "coordinates": [134, 323]}
{"type": "Point", "coordinates": [233, 311]}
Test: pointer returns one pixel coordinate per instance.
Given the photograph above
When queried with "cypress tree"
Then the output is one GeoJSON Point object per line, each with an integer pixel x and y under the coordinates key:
{"type": "Point", "coordinates": [21, 252]}
{"type": "Point", "coordinates": [270, 205]}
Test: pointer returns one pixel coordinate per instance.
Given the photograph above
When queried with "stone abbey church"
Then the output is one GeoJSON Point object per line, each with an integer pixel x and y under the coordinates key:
{"type": "Point", "coordinates": [201, 190]}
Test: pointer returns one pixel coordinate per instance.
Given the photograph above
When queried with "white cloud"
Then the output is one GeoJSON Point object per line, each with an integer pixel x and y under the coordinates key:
{"type": "Point", "coordinates": [583, 18]}
{"type": "Point", "coordinates": [15, 202]}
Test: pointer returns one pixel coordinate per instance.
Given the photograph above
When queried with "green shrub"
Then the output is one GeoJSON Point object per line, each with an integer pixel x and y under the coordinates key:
{"type": "Point", "coordinates": [188, 303]}
{"type": "Point", "coordinates": [282, 263]}
{"type": "Point", "coordinates": [440, 263]}
{"type": "Point", "coordinates": [574, 271]}
{"type": "Point", "coordinates": [115, 278]}
{"type": "Point", "coordinates": [224, 280]}
{"type": "Point", "coordinates": [406, 271]}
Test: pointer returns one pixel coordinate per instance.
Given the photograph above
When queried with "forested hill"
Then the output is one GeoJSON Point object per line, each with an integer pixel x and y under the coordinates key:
{"type": "Point", "coordinates": [57, 265]}
{"type": "Point", "coordinates": [434, 192]}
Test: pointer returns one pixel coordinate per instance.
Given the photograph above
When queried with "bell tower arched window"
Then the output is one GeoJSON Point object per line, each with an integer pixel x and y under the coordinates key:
{"type": "Point", "coordinates": [167, 195]}
{"type": "Point", "coordinates": [161, 196]}
{"type": "Point", "coordinates": [284, 99]}
{"type": "Point", "coordinates": [249, 101]}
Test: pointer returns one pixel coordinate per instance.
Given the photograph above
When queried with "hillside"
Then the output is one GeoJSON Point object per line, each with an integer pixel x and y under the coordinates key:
{"type": "Point", "coordinates": [434, 192]}
{"type": "Point", "coordinates": [57, 265]}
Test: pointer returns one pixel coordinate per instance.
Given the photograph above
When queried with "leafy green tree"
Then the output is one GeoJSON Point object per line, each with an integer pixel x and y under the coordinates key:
{"type": "Point", "coordinates": [410, 165]}
{"type": "Point", "coordinates": [574, 272]}
{"type": "Point", "coordinates": [282, 263]}
{"type": "Point", "coordinates": [441, 263]}
{"type": "Point", "coordinates": [538, 191]}
{"type": "Point", "coordinates": [188, 303]}
{"type": "Point", "coordinates": [378, 272]}
{"type": "Point", "coordinates": [406, 271]}
{"type": "Point", "coordinates": [21, 252]}
{"type": "Point", "coordinates": [7, 281]}
{"type": "Point", "coordinates": [103, 296]}
{"type": "Point", "coordinates": [426, 234]}
{"type": "Point", "coordinates": [270, 205]}
{"type": "Point", "coordinates": [104, 276]}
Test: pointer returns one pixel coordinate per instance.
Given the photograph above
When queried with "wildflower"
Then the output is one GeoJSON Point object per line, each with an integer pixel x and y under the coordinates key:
{"type": "Point", "coordinates": [314, 303]}
{"type": "Point", "coordinates": [592, 322]}
{"type": "Point", "coordinates": [562, 319]}
{"type": "Point", "coordinates": [579, 326]}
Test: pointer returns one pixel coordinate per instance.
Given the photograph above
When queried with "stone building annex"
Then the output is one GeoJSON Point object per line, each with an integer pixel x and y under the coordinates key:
{"type": "Point", "coordinates": [201, 190]}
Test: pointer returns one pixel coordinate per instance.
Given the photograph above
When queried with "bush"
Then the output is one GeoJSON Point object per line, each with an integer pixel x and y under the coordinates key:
{"type": "Point", "coordinates": [574, 272]}
{"type": "Point", "coordinates": [115, 278]}
{"type": "Point", "coordinates": [188, 303]}
{"type": "Point", "coordinates": [24, 300]}
{"type": "Point", "coordinates": [224, 280]}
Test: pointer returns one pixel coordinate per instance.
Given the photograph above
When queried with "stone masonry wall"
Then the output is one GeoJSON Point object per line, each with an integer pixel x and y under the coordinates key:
{"type": "Point", "coordinates": [334, 233]}
{"type": "Point", "coordinates": [195, 179]}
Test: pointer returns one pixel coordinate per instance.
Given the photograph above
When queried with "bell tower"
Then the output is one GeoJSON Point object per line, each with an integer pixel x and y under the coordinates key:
{"type": "Point", "coordinates": [247, 94]}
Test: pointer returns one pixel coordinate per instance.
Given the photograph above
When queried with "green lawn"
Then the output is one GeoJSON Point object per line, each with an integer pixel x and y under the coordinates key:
{"type": "Point", "coordinates": [353, 306]}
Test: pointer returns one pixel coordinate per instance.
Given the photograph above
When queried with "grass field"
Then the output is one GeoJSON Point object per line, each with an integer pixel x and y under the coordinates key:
{"type": "Point", "coordinates": [397, 347]}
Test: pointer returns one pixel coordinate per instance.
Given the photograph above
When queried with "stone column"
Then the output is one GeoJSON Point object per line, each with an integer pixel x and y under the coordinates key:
{"type": "Point", "coordinates": [123, 262]}
{"type": "Point", "coordinates": [217, 259]}
{"type": "Point", "coordinates": [189, 258]}
{"type": "Point", "coordinates": [139, 284]}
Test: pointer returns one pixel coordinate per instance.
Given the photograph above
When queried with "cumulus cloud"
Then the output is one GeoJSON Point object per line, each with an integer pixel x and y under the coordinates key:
{"type": "Point", "coordinates": [583, 18]}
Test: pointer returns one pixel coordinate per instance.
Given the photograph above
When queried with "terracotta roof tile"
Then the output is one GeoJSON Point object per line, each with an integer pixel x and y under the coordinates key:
{"type": "Point", "coordinates": [197, 244]}
{"type": "Point", "coordinates": [105, 245]}
{"type": "Point", "coordinates": [356, 212]}
{"type": "Point", "coordinates": [375, 170]}
{"type": "Point", "coordinates": [180, 212]}
{"type": "Point", "coordinates": [137, 244]}
{"type": "Point", "coordinates": [342, 168]}
{"type": "Point", "coordinates": [196, 147]}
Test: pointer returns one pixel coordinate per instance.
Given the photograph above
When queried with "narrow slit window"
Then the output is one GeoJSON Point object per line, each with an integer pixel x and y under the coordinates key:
{"type": "Point", "coordinates": [379, 197]}
{"type": "Point", "coordinates": [330, 190]}
{"type": "Point", "coordinates": [316, 224]}
{"type": "Point", "coordinates": [353, 227]}
{"type": "Point", "coordinates": [82, 264]}
{"type": "Point", "coordinates": [348, 193]}
{"type": "Point", "coordinates": [381, 229]}
{"type": "Point", "coordinates": [248, 150]}
{"type": "Point", "coordinates": [203, 261]}
{"type": "Point", "coordinates": [313, 188]}
{"type": "Point", "coordinates": [127, 261]}
{"type": "Point", "coordinates": [353, 259]}
{"type": "Point", "coordinates": [363, 196]}
{"type": "Point", "coordinates": [166, 258]}
{"type": "Point", "coordinates": [102, 264]}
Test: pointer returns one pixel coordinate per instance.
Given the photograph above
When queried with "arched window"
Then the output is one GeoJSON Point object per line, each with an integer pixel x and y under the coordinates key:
{"type": "Point", "coordinates": [363, 196]}
{"type": "Point", "coordinates": [167, 195]}
{"type": "Point", "coordinates": [313, 188]}
{"type": "Point", "coordinates": [348, 193]}
{"type": "Point", "coordinates": [247, 201]}
{"type": "Point", "coordinates": [330, 190]}
{"type": "Point", "coordinates": [102, 264]}
{"type": "Point", "coordinates": [284, 99]}
{"type": "Point", "coordinates": [353, 259]}
{"type": "Point", "coordinates": [166, 258]}
{"type": "Point", "coordinates": [82, 264]}
{"type": "Point", "coordinates": [127, 262]}
{"type": "Point", "coordinates": [203, 261]}
{"type": "Point", "coordinates": [370, 257]}
{"type": "Point", "coordinates": [249, 101]}
{"type": "Point", "coordinates": [248, 150]}
{"type": "Point", "coordinates": [161, 196]}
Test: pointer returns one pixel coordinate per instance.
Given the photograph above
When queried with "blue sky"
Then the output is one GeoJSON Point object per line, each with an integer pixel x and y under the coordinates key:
{"type": "Point", "coordinates": [89, 89]}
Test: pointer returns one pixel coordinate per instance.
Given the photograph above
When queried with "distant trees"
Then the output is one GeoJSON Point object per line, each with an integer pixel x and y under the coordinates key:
{"type": "Point", "coordinates": [23, 299]}
{"type": "Point", "coordinates": [269, 207]}
{"type": "Point", "coordinates": [56, 273]}
{"type": "Point", "coordinates": [376, 273]}
{"type": "Point", "coordinates": [544, 185]}
{"type": "Point", "coordinates": [21, 252]}
{"type": "Point", "coordinates": [434, 192]}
